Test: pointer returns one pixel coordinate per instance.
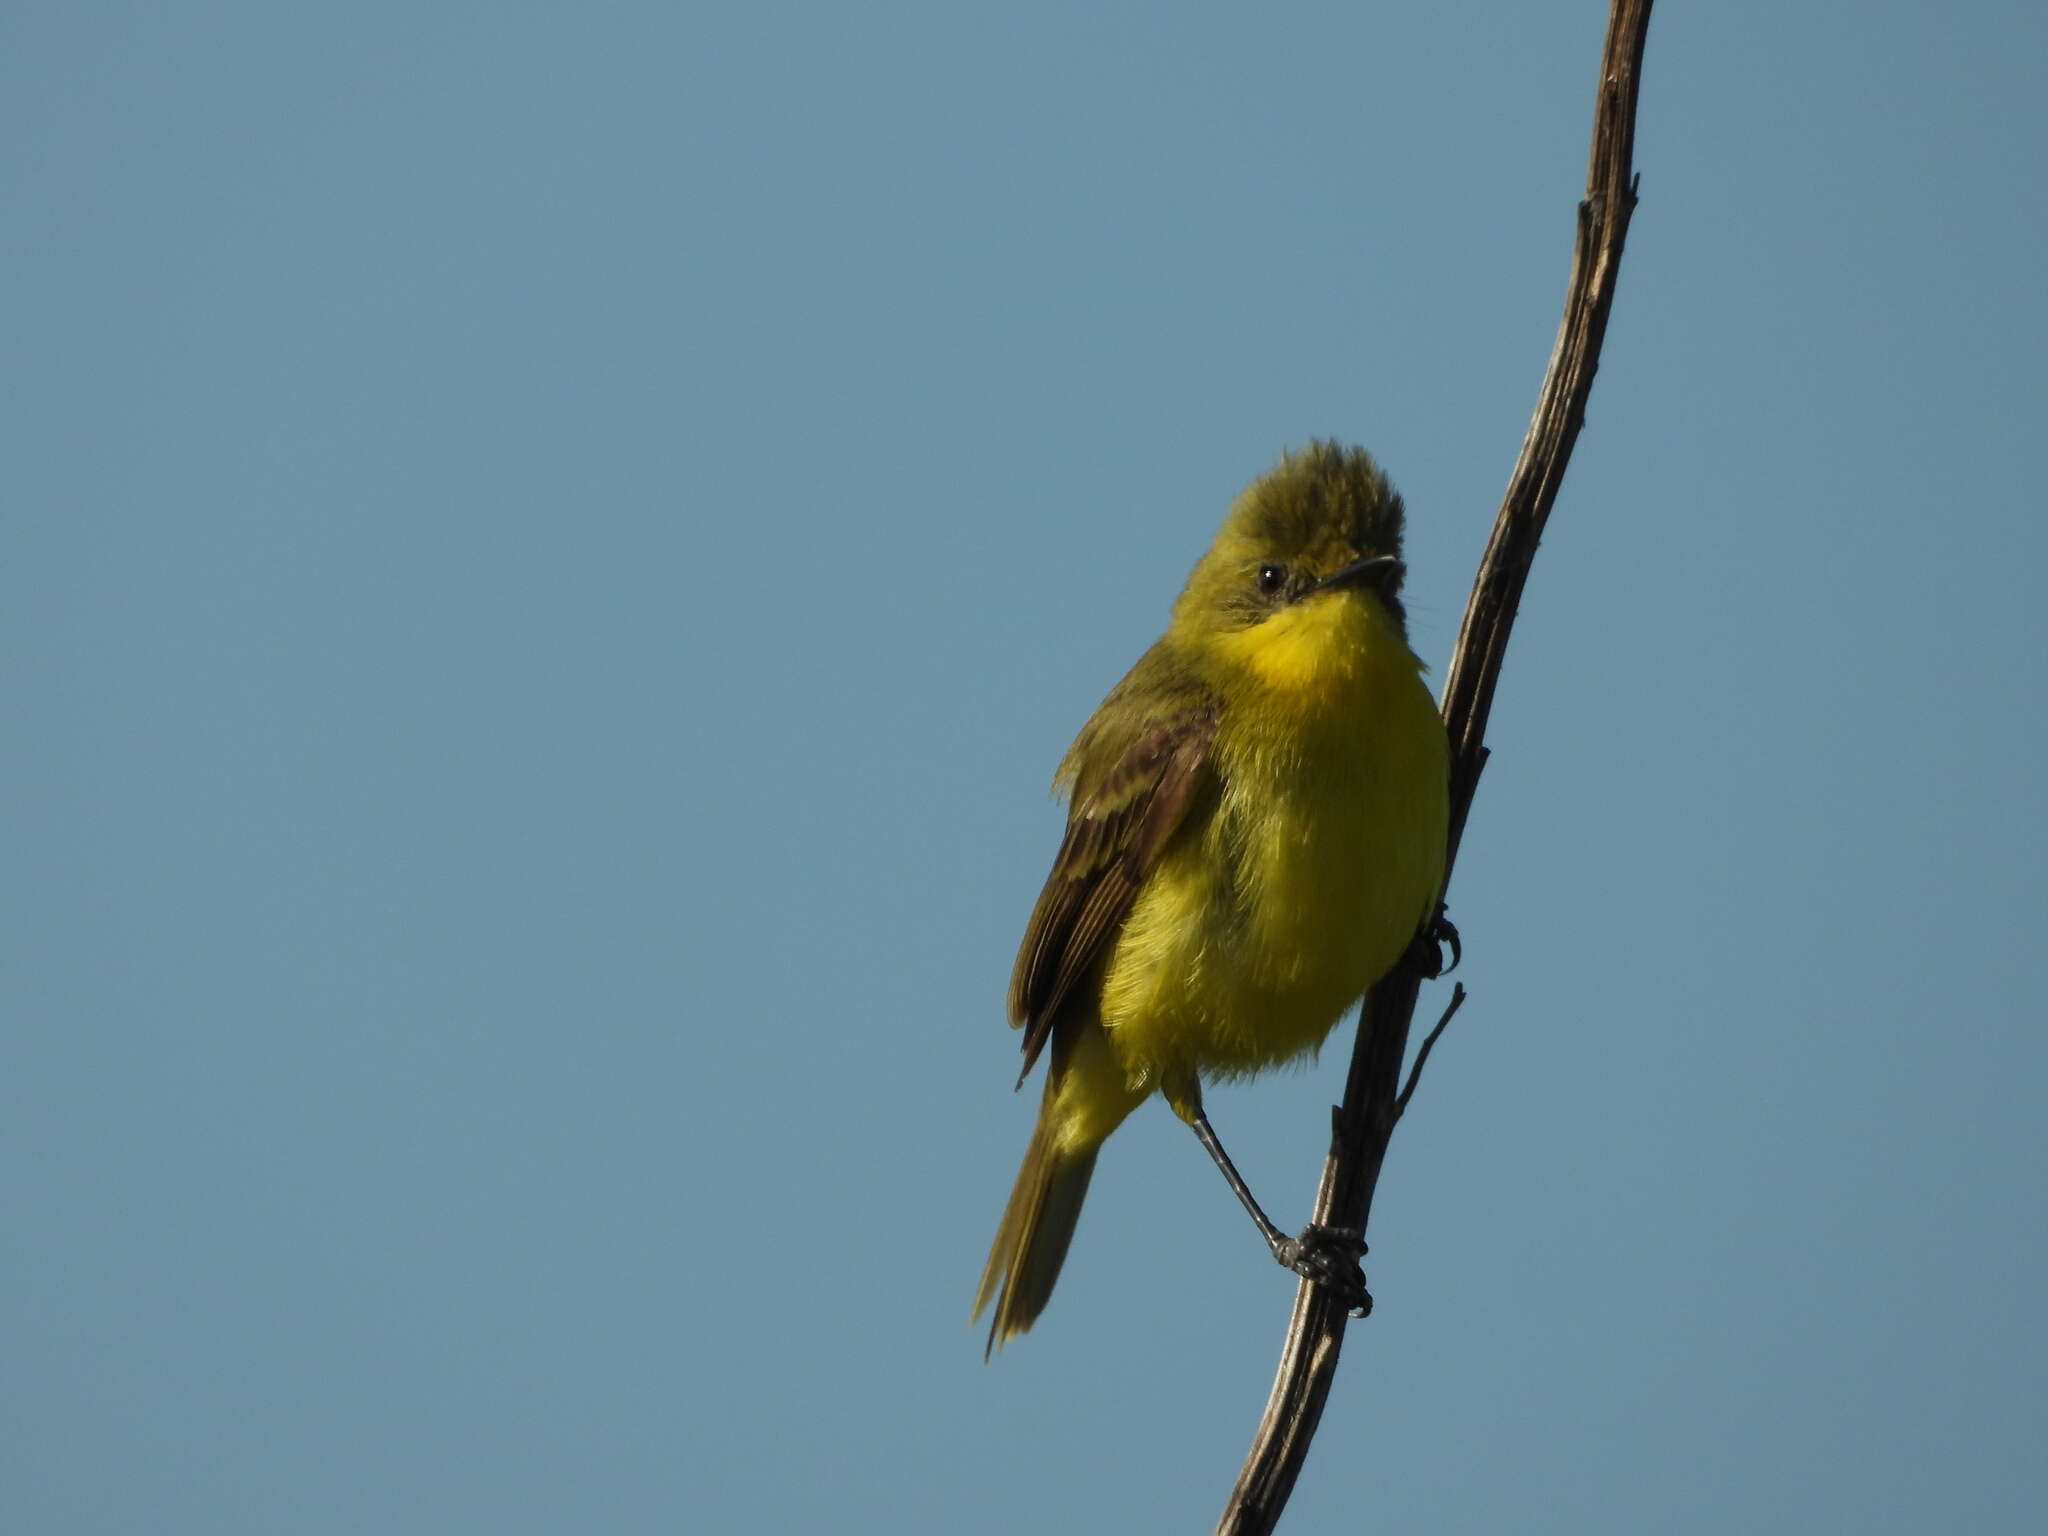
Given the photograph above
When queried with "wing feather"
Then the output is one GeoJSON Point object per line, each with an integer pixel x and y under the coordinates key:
{"type": "Point", "coordinates": [1116, 830]}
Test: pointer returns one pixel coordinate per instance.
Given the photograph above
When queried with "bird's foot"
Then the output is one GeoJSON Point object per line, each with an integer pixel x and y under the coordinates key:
{"type": "Point", "coordinates": [1329, 1256]}
{"type": "Point", "coordinates": [1438, 935]}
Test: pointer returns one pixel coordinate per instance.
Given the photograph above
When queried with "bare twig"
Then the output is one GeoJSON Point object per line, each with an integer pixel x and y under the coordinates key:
{"type": "Point", "coordinates": [1365, 1120]}
{"type": "Point", "coordinates": [1428, 1045]}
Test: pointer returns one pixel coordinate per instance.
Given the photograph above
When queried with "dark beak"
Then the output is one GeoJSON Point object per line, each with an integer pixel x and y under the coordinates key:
{"type": "Point", "coordinates": [1357, 570]}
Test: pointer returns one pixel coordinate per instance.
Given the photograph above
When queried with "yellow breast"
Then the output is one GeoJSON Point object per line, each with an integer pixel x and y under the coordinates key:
{"type": "Point", "coordinates": [1321, 856]}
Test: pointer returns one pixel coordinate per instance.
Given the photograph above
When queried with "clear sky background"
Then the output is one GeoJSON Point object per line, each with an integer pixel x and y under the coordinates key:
{"type": "Point", "coordinates": [547, 555]}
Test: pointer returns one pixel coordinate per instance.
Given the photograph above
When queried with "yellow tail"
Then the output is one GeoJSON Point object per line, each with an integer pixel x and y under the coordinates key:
{"type": "Point", "coordinates": [1031, 1243]}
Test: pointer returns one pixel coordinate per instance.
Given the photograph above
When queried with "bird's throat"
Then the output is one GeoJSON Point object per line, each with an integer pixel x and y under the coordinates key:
{"type": "Point", "coordinates": [1319, 653]}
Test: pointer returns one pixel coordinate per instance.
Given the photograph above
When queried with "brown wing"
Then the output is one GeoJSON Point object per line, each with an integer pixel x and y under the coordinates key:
{"type": "Point", "coordinates": [1115, 830]}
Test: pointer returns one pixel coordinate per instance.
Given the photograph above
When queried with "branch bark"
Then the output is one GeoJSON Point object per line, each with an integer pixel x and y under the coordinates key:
{"type": "Point", "coordinates": [1365, 1121]}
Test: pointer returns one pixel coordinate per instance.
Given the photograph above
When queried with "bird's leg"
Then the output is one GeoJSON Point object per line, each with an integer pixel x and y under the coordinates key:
{"type": "Point", "coordinates": [1325, 1255]}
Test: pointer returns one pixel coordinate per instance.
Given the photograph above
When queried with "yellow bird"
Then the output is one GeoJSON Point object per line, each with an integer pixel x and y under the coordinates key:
{"type": "Point", "coordinates": [1256, 830]}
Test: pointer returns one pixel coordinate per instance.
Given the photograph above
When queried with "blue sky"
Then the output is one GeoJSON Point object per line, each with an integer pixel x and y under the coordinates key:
{"type": "Point", "coordinates": [546, 558]}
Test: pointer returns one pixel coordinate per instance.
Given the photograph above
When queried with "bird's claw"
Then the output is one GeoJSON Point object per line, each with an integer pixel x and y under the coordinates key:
{"type": "Point", "coordinates": [1440, 934]}
{"type": "Point", "coordinates": [1328, 1256]}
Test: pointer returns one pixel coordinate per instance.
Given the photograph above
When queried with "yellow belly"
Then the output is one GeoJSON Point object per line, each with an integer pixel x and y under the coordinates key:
{"type": "Point", "coordinates": [1321, 858]}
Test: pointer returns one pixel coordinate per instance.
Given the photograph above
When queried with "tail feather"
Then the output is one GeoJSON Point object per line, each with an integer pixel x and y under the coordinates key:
{"type": "Point", "coordinates": [1031, 1243]}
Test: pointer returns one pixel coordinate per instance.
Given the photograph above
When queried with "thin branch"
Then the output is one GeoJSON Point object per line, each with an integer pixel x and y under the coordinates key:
{"type": "Point", "coordinates": [1365, 1120]}
{"type": "Point", "coordinates": [1428, 1045]}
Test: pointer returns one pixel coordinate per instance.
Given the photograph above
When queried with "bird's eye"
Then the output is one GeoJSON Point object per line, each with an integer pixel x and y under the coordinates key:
{"type": "Point", "coordinates": [1272, 578]}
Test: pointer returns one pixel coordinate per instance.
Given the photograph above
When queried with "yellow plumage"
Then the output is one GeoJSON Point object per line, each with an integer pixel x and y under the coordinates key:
{"type": "Point", "coordinates": [1257, 832]}
{"type": "Point", "coordinates": [1321, 860]}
